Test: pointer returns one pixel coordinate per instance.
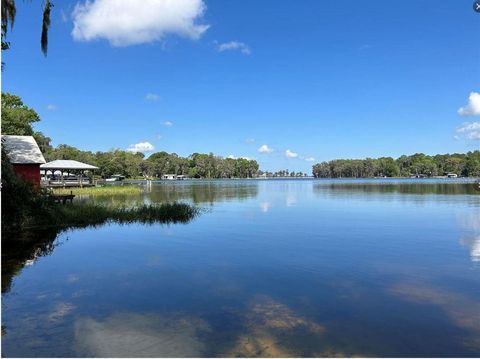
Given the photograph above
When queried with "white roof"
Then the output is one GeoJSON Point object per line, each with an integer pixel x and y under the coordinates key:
{"type": "Point", "coordinates": [67, 165]}
{"type": "Point", "coordinates": [22, 149]}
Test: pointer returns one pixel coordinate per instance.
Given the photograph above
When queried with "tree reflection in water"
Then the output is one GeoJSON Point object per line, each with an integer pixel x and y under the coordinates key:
{"type": "Point", "coordinates": [194, 192]}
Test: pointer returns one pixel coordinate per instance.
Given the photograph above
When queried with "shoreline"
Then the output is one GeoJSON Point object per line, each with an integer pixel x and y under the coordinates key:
{"type": "Point", "coordinates": [452, 180]}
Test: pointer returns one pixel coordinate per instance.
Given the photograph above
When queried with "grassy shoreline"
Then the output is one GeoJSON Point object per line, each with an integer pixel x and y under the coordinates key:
{"type": "Point", "coordinates": [100, 191]}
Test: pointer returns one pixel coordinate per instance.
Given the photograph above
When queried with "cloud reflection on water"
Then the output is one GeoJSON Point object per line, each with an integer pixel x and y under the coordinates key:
{"type": "Point", "coordinates": [471, 237]}
{"type": "Point", "coordinates": [140, 335]}
{"type": "Point", "coordinates": [60, 311]}
{"type": "Point", "coordinates": [265, 206]}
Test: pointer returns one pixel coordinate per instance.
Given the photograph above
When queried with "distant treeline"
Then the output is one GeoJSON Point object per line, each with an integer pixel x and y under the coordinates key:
{"type": "Point", "coordinates": [419, 164]}
{"type": "Point", "coordinates": [132, 165]}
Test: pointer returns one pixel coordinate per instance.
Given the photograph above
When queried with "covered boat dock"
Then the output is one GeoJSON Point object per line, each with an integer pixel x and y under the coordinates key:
{"type": "Point", "coordinates": [67, 173]}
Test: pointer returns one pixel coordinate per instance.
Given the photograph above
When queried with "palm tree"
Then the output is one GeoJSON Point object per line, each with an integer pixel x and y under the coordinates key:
{"type": "Point", "coordinates": [9, 12]}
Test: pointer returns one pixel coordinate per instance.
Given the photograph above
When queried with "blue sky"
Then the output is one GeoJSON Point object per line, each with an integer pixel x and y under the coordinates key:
{"type": "Point", "coordinates": [321, 79]}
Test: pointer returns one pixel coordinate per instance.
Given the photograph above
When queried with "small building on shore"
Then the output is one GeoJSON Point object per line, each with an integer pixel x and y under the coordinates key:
{"type": "Point", "coordinates": [169, 177]}
{"type": "Point", "coordinates": [25, 156]}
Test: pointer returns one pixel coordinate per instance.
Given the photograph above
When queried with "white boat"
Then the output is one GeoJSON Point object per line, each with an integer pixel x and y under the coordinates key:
{"type": "Point", "coordinates": [115, 178]}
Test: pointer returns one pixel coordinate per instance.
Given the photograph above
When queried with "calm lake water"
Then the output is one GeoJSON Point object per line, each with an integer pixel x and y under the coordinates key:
{"type": "Point", "coordinates": [270, 268]}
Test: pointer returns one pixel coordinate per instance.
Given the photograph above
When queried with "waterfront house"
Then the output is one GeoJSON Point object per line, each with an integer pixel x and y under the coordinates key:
{"type": "Point", "coordinates": [25, 156]}
{"type": "Point", "coordinates": [169, 177]}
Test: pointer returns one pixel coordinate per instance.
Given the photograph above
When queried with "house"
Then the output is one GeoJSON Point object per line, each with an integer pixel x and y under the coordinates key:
{"type": "Point", "coordinates": [169, 177]}
{"type": "Point", "coordinates": [25, 156]}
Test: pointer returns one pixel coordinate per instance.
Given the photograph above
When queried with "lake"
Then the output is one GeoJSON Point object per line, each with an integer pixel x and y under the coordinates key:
{"type": "Point", "coordinates": [270, 268]}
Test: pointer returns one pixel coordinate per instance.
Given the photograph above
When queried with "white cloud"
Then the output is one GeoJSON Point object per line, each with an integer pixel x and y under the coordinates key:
{"type": "Point", "coordinates": [265, 149]}
{"type": "Point", "coordinates": [141, 147]}
{"type": "Point", "coordinates": [249, 140]}
{"type": "Point", "coordinates": [167, 123]}
{"type": "Point", "coordinates": [291, 154]}
{"type": "Point", "coordinates": [468, 130]}
{"type": "Point", "coordinates": [51, 107]}
{"type": "Point", "coordinates": [232, 157]}
{"type": "Point", "coordinates": [152, 97]}
{"type": "Point", "coordinates": [310, 159]}
{"type": "Point", "coordinates": [130, 22]}
{"type": "Point", "coordinates": [234, 46]}
{"type": "Point", "coordinates": [473, 106]}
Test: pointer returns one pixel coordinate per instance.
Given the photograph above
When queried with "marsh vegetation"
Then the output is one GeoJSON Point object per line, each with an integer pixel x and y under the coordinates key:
{"type": "Point", "coordinates": [110, 190]}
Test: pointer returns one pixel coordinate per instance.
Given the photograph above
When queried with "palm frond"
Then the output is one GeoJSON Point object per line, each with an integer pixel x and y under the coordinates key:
{"type": "Point", "coordinates": [8, 18]}
{"type": "Point", "coordinates": [9, 11]}
{"type": "Point", "coordinates": [45, 26]}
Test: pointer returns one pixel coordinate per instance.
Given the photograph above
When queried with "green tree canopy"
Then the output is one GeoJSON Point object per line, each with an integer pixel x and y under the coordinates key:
{"type": "Point", "coordinates": [17, 118]}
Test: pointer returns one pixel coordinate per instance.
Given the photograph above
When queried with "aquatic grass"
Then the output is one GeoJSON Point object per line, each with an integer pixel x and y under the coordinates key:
{"type": "Point", "coordinates": [100, 190]}
{"type": "Point", "coordinates": [87, 214]}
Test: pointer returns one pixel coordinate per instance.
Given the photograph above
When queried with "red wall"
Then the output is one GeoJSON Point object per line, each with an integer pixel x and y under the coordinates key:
{"type": "Point", "coordinates": [30, 173]}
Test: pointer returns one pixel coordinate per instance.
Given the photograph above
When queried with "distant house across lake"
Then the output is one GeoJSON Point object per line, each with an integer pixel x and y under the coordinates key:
{"type": "Point", "coordinates": [25, 156]}
{"type": "Point", "coordinates": [169, 177]}
{"type": "Point", "coordinates": [173, 177]}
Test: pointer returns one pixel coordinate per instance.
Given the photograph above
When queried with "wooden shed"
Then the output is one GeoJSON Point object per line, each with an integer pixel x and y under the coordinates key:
{"type": "Point", "coordinates": [25, 156]}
